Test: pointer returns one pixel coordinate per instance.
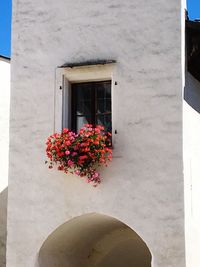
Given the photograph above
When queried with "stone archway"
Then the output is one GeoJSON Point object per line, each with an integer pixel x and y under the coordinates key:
{"type": "Point", "coordinates": [94, 240]}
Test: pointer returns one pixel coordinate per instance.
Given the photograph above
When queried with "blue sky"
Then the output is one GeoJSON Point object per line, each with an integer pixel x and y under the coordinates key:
{"type": "Point", "coordinates": [5, 27]}
{"type": "Point", "coordinates": [193, 7]}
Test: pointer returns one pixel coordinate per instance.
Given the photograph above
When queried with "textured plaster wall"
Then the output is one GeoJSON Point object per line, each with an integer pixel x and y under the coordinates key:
{"type": "Point", "coordinates": [4, 147]}
{"type": "Point", "coordinates": [4, 121]}
{"type": "Point", "coordinates": [144, 185]}
{"type": "Point", "coordinates": [3, 226]}
{"type": "Point", "coordinates": [191, 131]}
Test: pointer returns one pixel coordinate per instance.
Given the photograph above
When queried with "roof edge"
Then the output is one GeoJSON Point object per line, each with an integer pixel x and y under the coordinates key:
{"type": "Point", "coordinates": [7, 59]}
{"type": "Point", "coordinates": [87, 63]}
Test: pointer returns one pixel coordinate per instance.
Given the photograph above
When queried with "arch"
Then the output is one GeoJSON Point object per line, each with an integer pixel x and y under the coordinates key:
{"type": "Point", "coordinates": [94, 240]}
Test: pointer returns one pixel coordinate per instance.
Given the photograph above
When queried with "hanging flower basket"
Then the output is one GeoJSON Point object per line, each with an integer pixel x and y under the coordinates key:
{"type": "Point", "coordinates": [80, 153]}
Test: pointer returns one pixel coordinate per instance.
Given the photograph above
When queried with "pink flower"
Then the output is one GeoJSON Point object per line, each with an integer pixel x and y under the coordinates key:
{"type": "Point", "coordinates": [67, 152]}
{"type": "Point", "coordinates": [83, 144]}
{"type": "Point", "coordinates": [68, 143]}
{"type": "Point", "coordinates": [74, 154]}
{"type": "Point", "coordinates": [77, 172]}
{"type": "Point", "coordinates": [70, 163]}
{"type": "Point", "coordinates": [95, 175]}
{"type": "Point", "coordinates": [65, 130]}
{"type": "Point", "coordinates": [97, 130]}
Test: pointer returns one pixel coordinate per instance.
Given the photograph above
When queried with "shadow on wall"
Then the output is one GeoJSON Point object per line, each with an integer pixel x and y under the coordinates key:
{"type": "Point", "coordinates": [3, 226]}
{"type": "Point", "coordinates": [192, 92]}
{"type": "Point", "coordinates": [94, 240]}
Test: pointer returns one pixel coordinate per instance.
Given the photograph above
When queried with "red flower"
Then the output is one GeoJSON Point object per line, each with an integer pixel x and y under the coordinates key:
{"type": "Point", "coordinates": [80, 153]}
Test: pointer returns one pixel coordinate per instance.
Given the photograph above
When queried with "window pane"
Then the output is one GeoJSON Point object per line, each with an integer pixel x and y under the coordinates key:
{"type": "Point", "coordinates": [91, 104]}
{"type": "Point", "coordinates": [108, 91]}
{"type": "Point", "coordinates": [100, 106]}
{"type": "Point", "coordinates": [100, 92]}
{"type": "Point", "coordinates": [108, 105]}
{"type": "Point", "coordinates": [103, 90]}
{"type": "Point", "coordinates": [83, 107]}
{"type": "Point", "coordinates": [83, 96]}
{"type": "Point", "coordinates": [103, 101]}
{"type": "Point", "coordinates": [105, 120]}
{"type": "Point", "coordinates": [80, 120]}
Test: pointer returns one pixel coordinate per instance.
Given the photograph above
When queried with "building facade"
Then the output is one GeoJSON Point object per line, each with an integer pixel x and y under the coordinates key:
{"type": "Point", "coordinates": [4, 145]}
{"type": "Point", "coordinates": [191, 148]}
{"type": "Point", "coordinates": [136, 215]}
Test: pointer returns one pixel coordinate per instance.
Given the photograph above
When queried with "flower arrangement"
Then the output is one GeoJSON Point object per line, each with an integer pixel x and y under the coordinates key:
{"type": "Point", "coordinates": [80, 153]}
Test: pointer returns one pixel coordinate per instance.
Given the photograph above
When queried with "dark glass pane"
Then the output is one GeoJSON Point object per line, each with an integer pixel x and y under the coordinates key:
{"type": "Point", "coordinates": [83, 99]}
{"type": "Point", "coordinates": [80, 120]}
{"type": "Point", "coordinates": [108, 91]}
{"type": "Point", "coordinates": [83, 90]}
{"type": "Point", "coordinates": [103, 89]}
{"type": "Point", "coordinates": [83, 107]}
{"type": "Point", "coordinates": [91, 104]}
{"type": "Point", "coordinates": [100, 106]}
{"type": "Point", "coordinates": [108, 105]}
{"type": "Point", "coordinates": [100, 92]}
{"type": "Point", "coordinates": [105, 120]}
{"type": "Point", "coordinates": [103, 105]}
{"type": "Point", "coordinates": [103, 101]}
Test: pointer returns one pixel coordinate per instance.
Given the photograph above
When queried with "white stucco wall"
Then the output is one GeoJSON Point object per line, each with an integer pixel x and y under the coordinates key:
{"type": "Point", "coordinates": [4, 120]}
{"type": "Point", "coordinates": [191, 143]}
{"type": "Point", "coordinates": [143, 187]}
{"type": "Point", "coordinates": [4, 147]}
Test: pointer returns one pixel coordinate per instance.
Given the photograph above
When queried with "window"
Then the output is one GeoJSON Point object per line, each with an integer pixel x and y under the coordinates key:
{"type": "Point", "coordinates": [91, 103]}
{"type": "Point", "coordinates": [84, 94]}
